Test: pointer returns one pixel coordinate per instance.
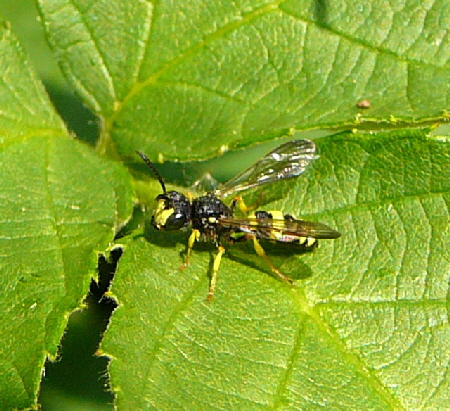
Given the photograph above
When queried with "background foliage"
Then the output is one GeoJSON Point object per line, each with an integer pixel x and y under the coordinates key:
{"type": "Point", "coordinates": [367, 324]}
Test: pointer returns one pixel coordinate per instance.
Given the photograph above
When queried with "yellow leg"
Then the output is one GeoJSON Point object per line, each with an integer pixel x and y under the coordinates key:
{"type": "Point", "coordinates": [244, 208]}
{"type": "Point", "coordinates": [195, 235]}
{"type": "Point", "coordinates": [189, 196]}
{"type": "Point", "coordinates": [216, 265]}
{"type": "Point", "coordinates": [260, 251]}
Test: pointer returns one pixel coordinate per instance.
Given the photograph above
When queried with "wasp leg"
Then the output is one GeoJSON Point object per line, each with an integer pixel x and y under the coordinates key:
{"type": "Point", "coordinates": [244, 208]}
{"type": "Point", "coordinates": [216, 265]}
{"type": "Point", "coordinates": [261, 253]}
{"type": "Point", "coordinates": [236, 200]}
{"type": "Point", "coordinates": [195, 235]}
{"type": "Point", "coordinates": [189, 196]}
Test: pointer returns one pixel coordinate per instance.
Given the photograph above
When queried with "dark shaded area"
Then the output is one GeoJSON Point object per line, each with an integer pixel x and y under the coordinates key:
{"type": "Point", "coordinates": [79, 119]}
{"type": "Point", "coordinates": [106, 270]}
{"type": "Point", "coordinates": [79, 373]}
{"type": "Point", "coordinates": [25, 24]}
{"type": "Point", "coordinates": [137, 219]}
{"type": "Point", "coordinates": [279, 253]}
{"type": "Point", "coordinates": [222, 167]}
{"type": "Point", "coordinates": [321, 12]}
{"type": "Point", "coordinates": [181, 174]}
{"type": "Point", "coordinates": [165, 239]}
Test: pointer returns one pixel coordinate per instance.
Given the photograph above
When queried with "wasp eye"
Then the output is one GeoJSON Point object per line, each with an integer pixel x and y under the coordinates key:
{"type": "Point", "coordinates": [176, 221]}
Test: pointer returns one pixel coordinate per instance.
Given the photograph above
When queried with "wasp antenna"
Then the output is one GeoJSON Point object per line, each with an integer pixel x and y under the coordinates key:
{"type": "Point", "coordinates": [154, 169]}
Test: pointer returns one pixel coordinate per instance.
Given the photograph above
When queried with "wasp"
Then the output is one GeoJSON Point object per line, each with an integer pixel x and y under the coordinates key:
{"type": "Point", "coordinates": [211, 220]}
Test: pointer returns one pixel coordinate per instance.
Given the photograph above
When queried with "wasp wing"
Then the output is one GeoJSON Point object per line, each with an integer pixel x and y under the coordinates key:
{"type": "Point", "coordinates": [294, 228]}
{"type": "Point", "coordinates": [287, 161]}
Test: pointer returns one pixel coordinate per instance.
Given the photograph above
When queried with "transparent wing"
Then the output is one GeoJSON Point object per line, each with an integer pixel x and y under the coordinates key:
{"type": "Point", "coordinates": [206, 184]}
{"type": "Point", "coordinates": [299, 228]}
{"type": "Point", "coordinates": [287, 161]}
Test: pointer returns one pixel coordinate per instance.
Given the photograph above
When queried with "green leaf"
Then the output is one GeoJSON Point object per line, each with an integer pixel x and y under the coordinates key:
{"type": "Point", "coordinates": [25, 106]}
{"type": "Point", "coordinates": [366, 327]}
{"type": "Point", "coordinates": [60, 204]}
{"type": "Point", "coordinates": [189, 80]}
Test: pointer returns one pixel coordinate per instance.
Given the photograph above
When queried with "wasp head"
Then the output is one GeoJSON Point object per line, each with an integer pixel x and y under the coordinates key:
{"type": "Point", "coordinates": [173, 209]}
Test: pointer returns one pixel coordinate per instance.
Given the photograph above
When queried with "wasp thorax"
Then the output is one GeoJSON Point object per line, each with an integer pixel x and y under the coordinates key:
{"type": "Point", "coordinates": [172, 212]}
{"type": "Point", "coordinates": [207, 211]}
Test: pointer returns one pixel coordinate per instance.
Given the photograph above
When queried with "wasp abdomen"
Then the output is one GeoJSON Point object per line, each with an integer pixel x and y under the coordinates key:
{"type": "Point", "coordinates": [275, 226]}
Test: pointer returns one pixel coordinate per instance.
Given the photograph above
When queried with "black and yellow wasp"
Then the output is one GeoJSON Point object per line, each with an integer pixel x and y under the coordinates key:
{"type": "Point", "coordinates": [213, 221]}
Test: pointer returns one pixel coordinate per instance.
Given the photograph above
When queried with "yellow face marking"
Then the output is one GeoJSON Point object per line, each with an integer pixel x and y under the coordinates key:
{"type": "Point", "coordinates": [161, 214]}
